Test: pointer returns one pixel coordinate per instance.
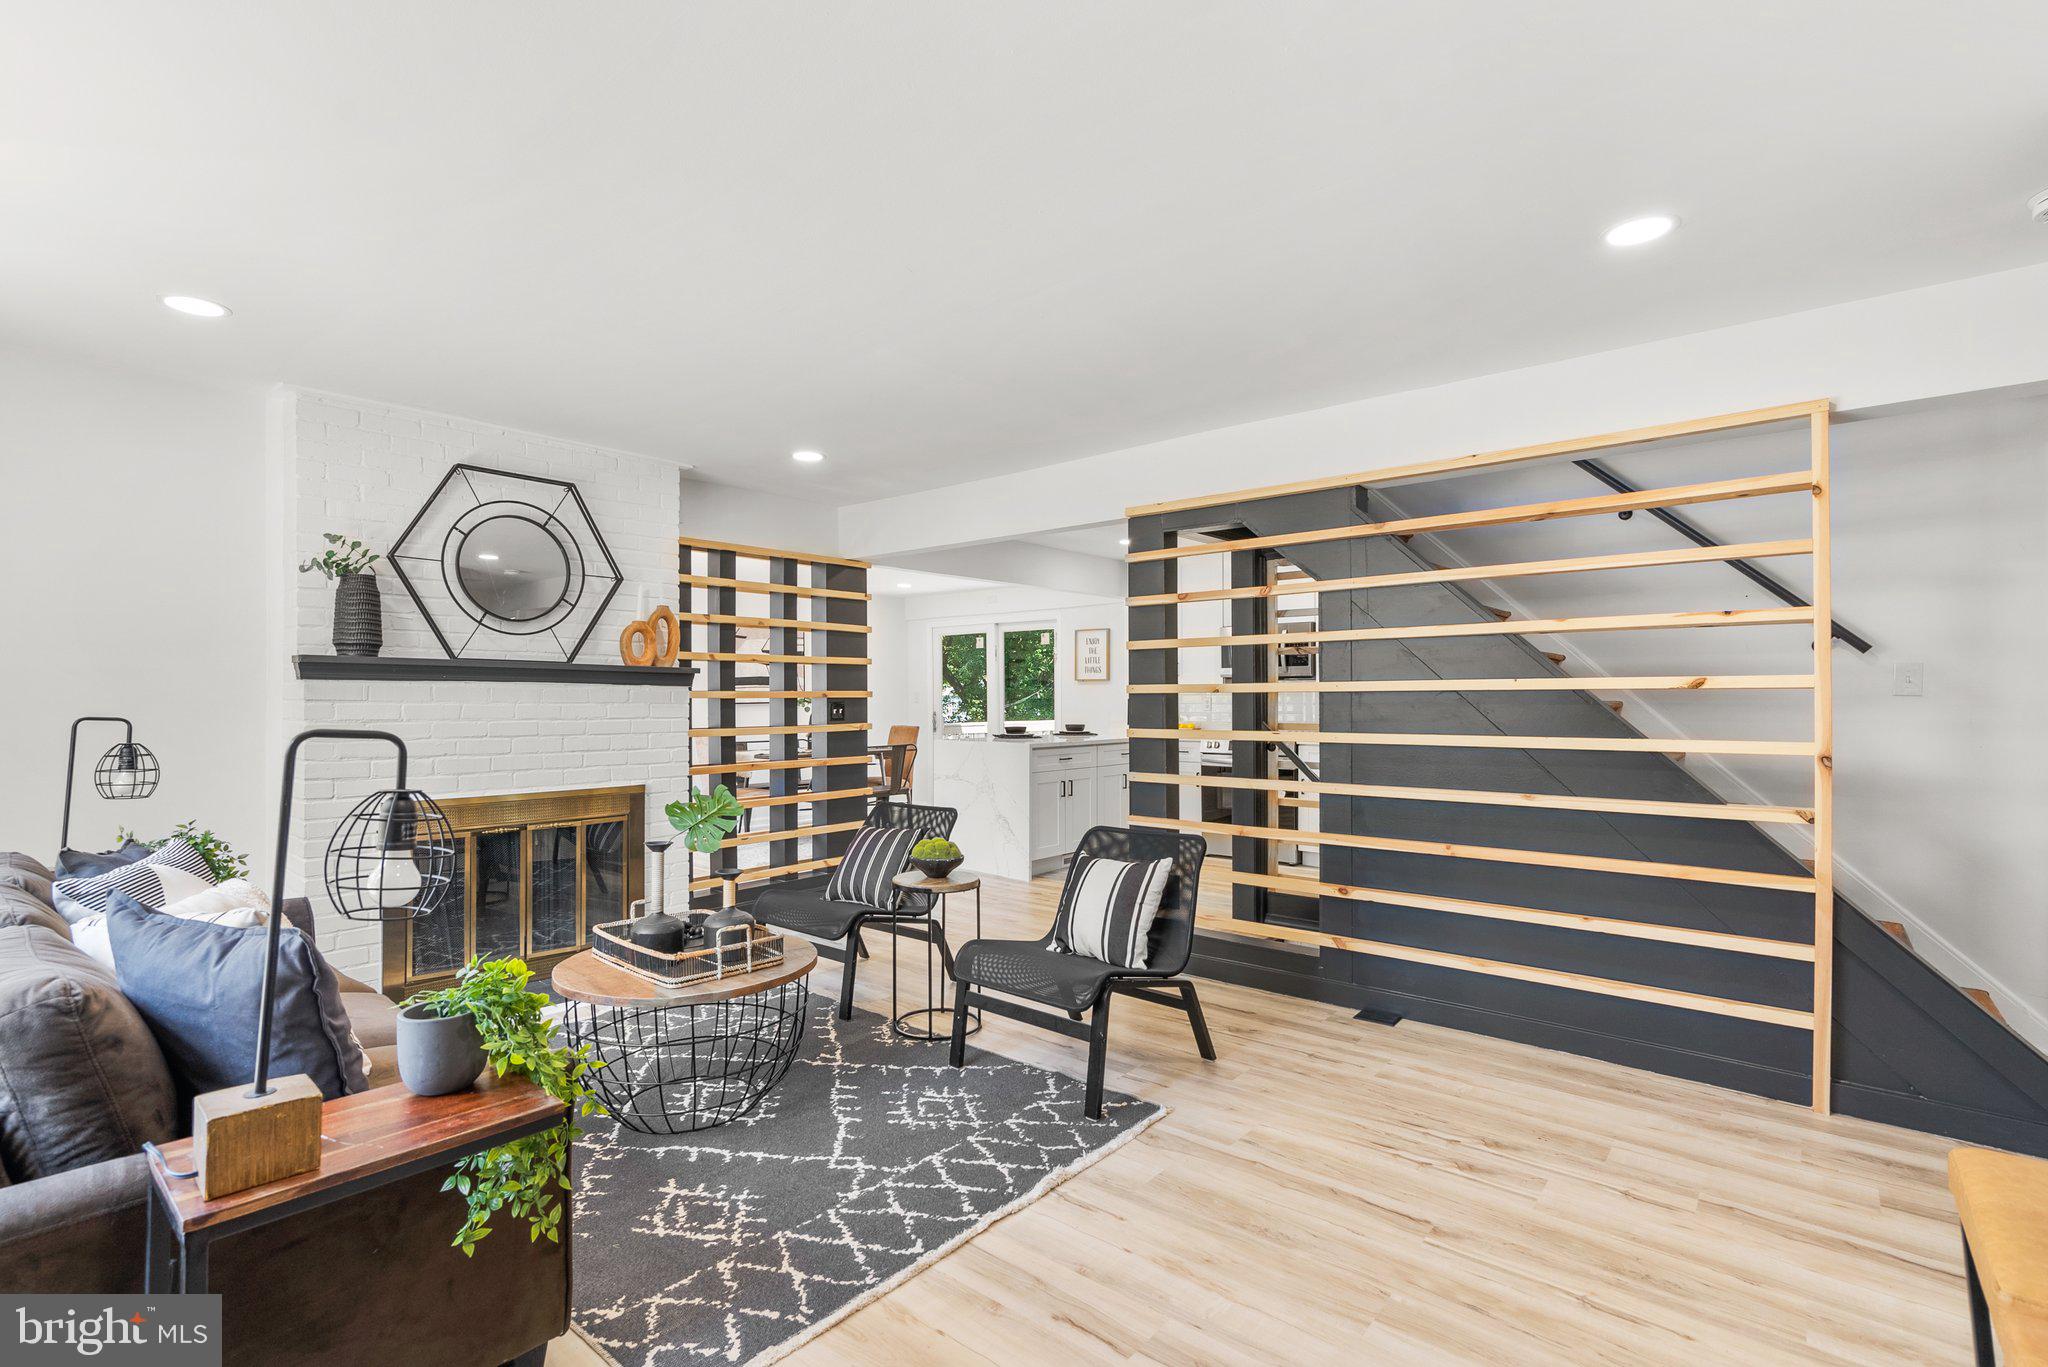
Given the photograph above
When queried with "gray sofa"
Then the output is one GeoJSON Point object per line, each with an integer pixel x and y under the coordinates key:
{"type": "Point", "coordinates": [371, 1279]}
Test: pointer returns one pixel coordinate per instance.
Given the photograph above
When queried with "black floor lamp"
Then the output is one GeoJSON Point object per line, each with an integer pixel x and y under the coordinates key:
{"type": "Point", "coordinates": [127, 770]}
{"type": "Point", "coordinates": [391, 859]}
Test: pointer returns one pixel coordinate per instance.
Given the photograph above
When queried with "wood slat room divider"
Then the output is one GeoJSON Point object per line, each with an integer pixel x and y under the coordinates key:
{"type": "Point", "coordinates": [1232, 525]}
{"type": "Point", "coordinates": [805, 698]}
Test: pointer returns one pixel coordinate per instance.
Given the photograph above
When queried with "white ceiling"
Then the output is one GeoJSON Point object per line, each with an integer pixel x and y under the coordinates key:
{"type": "Point", "coordinates": [939, 240]}
{"type": "Point", "coordinates": [887, 581]}
{"type": "Point", "coordinates": [1102, 539]}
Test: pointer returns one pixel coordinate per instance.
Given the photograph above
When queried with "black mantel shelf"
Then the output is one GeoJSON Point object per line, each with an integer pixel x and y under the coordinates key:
{"type": "Point", "coordinates": [413, 669]}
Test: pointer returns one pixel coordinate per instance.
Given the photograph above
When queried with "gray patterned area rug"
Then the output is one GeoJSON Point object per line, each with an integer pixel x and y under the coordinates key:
{"type": "Point", "coordinates": [870, 1160]}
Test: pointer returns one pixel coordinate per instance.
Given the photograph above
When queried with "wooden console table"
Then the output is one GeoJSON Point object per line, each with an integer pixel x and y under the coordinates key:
{"type": "Point", "coordinates": [368, 1140]}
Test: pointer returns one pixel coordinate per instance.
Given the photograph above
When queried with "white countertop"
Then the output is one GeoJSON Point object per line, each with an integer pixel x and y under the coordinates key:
{"type": "Point", "coordinates": [1035, 742]}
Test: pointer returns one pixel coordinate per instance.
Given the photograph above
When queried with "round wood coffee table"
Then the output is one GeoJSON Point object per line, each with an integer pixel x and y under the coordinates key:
{"type": "Point", "coordinates": [933, 1021]}
{"type": "Point", "coordinates": [674, 1060]}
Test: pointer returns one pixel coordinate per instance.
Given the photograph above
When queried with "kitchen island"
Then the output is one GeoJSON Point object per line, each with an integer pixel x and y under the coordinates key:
{"type": "Point", "coordinates": [1024, 804]}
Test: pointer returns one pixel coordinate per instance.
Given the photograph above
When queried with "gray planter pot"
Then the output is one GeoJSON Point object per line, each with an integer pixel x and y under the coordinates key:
{"type": "Point", "coordinates": [437, 1055]}
{"type": "Point", "coordinates": [358, 615]}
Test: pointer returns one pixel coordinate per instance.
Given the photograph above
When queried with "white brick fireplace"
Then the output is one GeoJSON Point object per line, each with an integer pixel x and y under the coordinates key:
{"type": "Point", "coordinates": [364, 469]}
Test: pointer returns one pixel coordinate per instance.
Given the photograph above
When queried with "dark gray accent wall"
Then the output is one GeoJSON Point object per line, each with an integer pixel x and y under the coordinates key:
{"type": "Point", "coordinates": [1911, 1049]}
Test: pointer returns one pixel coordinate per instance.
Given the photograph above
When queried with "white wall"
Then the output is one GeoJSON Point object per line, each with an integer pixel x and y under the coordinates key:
{"type": "Point", "coordinates": [751, 518]}
{"type": "Point", "coordinates": [889, 670]}
{"type": "Point", "coordinates": [132, 554]}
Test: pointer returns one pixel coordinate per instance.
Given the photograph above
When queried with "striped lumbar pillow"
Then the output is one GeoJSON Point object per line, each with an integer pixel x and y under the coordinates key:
{"type": "Point", "coordinates": [1107, 909]}
{"type": "Point", "coordinates": [867, 874]}
{"type": "Point", "coordinates": [173, 873]}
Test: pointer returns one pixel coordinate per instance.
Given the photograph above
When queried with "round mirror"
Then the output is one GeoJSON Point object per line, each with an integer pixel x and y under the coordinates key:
{"type": "Point", "coordinates": [512, 568]}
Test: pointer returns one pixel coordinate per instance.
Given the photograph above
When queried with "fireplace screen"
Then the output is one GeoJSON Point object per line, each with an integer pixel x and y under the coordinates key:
{"type": "Point", "coordinates": [533, 873]}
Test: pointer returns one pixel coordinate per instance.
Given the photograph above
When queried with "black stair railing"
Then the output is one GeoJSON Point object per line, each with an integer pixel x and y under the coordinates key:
{"type": "Point", "coordinates": [1699, 538]}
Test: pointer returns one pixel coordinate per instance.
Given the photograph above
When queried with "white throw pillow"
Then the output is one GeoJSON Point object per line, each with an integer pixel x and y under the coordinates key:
{"type": "Point", "coordinates": [237, 904]}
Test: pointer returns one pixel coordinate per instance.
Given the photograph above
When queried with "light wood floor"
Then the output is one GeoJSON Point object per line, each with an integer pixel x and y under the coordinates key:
{"type": "Point", "coordinates": [1336, 1191]}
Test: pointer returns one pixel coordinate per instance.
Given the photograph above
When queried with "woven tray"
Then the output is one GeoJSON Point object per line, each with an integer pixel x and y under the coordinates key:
{"type": "Point", "coordinates": [742, 949]}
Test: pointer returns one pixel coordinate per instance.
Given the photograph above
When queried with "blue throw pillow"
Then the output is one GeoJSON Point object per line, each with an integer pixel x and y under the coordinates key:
{"type": "Point", "coordinates": [198, 986]}
{"type": "Point", "coordinates": [85, 864]}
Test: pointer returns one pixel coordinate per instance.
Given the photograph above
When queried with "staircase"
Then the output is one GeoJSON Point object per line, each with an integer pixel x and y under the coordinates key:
{"type": "Point", "coordinates": [1910, 1048]}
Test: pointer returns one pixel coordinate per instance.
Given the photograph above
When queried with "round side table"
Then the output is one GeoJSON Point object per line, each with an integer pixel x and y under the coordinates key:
{"type": "Point", "coordinates": [933, 1021]}
{"type": "Point", "coordinates": [675, 1060]}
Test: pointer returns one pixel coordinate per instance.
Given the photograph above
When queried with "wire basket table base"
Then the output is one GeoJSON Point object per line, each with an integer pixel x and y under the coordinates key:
{"type": "Point", "coordinates": [678, 1069]}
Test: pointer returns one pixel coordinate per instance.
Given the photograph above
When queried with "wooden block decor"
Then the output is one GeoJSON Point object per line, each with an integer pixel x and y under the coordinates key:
{"type": "Point", "coordinates": [241, 1141]}
{"type": "Point", "coordinates": [1380, 820]}
{"type": "Point", "coordinates": [654, 640]}
{"type": "Point", "coordinates": [782, 714]}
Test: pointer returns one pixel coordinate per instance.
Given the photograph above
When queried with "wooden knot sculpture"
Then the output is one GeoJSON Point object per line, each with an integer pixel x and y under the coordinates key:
{"type": "Point", "coordinates": [654, 640]}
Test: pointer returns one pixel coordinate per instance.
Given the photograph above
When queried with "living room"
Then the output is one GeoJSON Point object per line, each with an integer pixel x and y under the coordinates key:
{"type": "Point", "coordinates": [627, 626]}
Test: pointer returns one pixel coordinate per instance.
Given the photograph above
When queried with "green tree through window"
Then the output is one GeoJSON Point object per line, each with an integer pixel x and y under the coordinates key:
{"type": "Point", "coordinates": [1027, 675]}
{"type": "Point", "coordinates": [963, 678]}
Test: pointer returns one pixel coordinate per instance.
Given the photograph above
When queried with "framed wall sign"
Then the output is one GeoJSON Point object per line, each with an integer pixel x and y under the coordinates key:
{"type": "Point", "coordinates": [1091, 655]}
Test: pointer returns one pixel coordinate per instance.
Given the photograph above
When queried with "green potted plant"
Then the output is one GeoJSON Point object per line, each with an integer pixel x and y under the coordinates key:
{"type": "Point", "coordinates": [528, 1176]}
{"type": "Point", "coordinates": [358, 610]}
{"type": "Point", "coordinates": [935, 857]}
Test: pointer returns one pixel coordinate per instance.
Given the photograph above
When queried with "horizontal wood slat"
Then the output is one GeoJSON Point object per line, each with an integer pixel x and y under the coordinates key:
{"type": "Point", "coordinates": [1672, 496]}
{"type": "Point", "coordinates": [1525, 569]}
{"type": "Point", "coordinates": [763, 694]}
{"type": "Point", "coordinates": [711, 581]}
{"type": "Point", "coordinates": [1494, 854]}
{"type": "Point", "coordinates": [1538, 916]}
{"type": "Point", "coordinates": [698, 543]}
{"type": "Point", "coordinates": [787, 799]}
{"type": "Point", "coordinates": [747, 659]}
{"type": "Point", "coordinates": [1612, 683]}
{"type": "Point", "coordinates": [1579, 982]}
{"type": "Point", "coordinates": [778, 730]}
{"type": "Point", "coordinates": [1482, 460]}
{"type": "Point", "coordinates": [1710, 811]}
{"type": "Point", "coordinates": [770, 871]}
{"type": "Point", "coordinates": [1535, 626]}
{"type": "Point", "coordinates": [1610, 744]}
{"type": "Point", "coordinates": [787, 623]}
{"type": "Point", "coordinates": [748, 766]}
{"type": "Point", "coordinates": [792, 833]}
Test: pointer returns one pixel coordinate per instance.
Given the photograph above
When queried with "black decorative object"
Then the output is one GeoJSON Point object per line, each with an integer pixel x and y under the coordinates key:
{"type": "Point", "coordinates": [127, 771]}
{"type": "Point", "coordinates": [678, 1070]}
{"type": "Point", "coordinates": [729, 930]}
{"type": "Point", "coordinates": [392, 858]}
{"type": "Point", "coordinates": [937, 868]}
{"type": "Point", "coordinates": [358, 615]}
{"type": "Point", "coordinates": [515, 555]}
{"type": "Point", "coordinates": [661, 932]}
{"type": "Point", "coordinates": [407, 846]}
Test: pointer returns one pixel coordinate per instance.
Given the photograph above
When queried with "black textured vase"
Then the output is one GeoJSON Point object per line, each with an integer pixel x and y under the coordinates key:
{"type": "Point", "coordinates": [358, 615]}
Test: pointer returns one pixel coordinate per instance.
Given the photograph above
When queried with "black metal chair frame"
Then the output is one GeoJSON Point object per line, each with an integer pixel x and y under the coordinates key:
{"type": "Point", "coordinates": [910, 921]}
{"type": "Point", "coordinates": [1162, 983]}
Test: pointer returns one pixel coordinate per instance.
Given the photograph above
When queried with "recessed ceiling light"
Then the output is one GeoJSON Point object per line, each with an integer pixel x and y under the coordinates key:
{"type": "Point", "coordinates": [905, 586]}
{"type": "Point", "coordinates": [198, 308]}
{"type": "Point", "coordinates": [1125, 541]}
{"type": "Point", "coordinates": [807, 457]}
{"type": "Point", "coordinates": [1638, 231]}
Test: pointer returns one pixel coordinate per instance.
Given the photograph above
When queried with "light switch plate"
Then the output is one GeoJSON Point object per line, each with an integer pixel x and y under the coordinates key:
{"type": "Point", "coordinates": [1909, 679]}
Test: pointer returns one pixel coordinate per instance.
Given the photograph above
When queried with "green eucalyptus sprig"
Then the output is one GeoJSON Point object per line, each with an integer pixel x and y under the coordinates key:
{"type": "Point", "coordinates": [526, 1176]}
{"type": "Point", "coordinates": [342, 557]}
{"type": "Point", "coordinates": [224, 859]}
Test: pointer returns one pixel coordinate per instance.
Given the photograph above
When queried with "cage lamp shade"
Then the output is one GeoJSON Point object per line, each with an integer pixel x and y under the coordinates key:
{"type": "Point", "coordinates": [391, 859]}
{"type": "Point", "coordinates": [127, 770]}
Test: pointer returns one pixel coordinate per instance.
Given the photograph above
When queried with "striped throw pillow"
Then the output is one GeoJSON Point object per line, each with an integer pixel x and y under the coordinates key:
{"type": "Point", "coordinates": [173, 873]}
{"type": "Point", "coordinates": [867, 873]}
{"type": "Point", "coordinates": [1107, 909]}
